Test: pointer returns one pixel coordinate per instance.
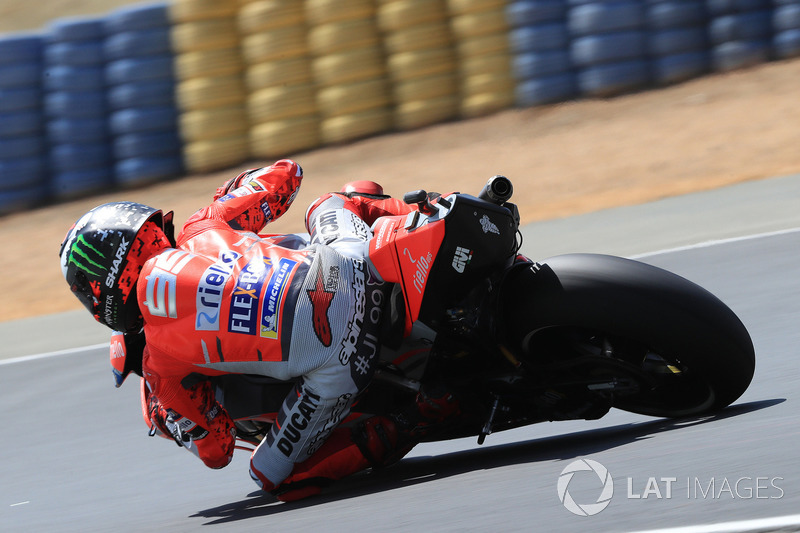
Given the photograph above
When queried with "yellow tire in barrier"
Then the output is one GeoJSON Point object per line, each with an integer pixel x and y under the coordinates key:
{"type": "Point", "coordinates": [350, 127]}
{"type": "Point", "coordinates": [273, 45]}
{"type": "Point", "coordinates": [485, 64]}
{"type": "Point", "coordinates": [422, 37]}
{"type": "Point", "coordinates": [208, 124]}
{"type": "Point", "coordinates": [337, 37]}
{"type": "Point", "coordinates": [486, 103]}
{"type": "Point", "coordinates": [421, 63]}
{"type": "Point", "coordinates": [353, 98]}
{"type": "Point", "coordinates": [436, 86]}
{"type": "Point", "coordinates": [348, 67]}
{"type": "Point", "coordinates": [210, 63]}
{"type": "Point", "coordinates": [421, 113]}
{"type": "Point", "coordinates": [325, 11]}
{"type": "Point", "coordinates": [276, 73]}
{"type": "Point", "coordinates": [487, 83]}
{"type": "Point", "coordinates": [206, 93]}
{"type": "Point", "coordinates": [486, 45]}
{"type": "Point", "coordinates": [401, 14]}
{"type": "Point", "coordinates": [479, 24]}
{"type": "Point", "coordinates": [280, 138]}
{"type": "Point", "coordinates": [460, 7]}
{"type": "Point", "coordinates": [205, 35]}
{"type": "Point", "coordinates": [181, 11]}
{"type": "Point", "coordinates": [277, 103]}
{"type": "Point", "coordinates": [205, 156]}
{"type": "Point", "coordinates": [265, 15]}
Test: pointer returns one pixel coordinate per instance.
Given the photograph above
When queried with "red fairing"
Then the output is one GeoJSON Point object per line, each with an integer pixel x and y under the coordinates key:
{"type": "Point", "coordinates": [406, 257]}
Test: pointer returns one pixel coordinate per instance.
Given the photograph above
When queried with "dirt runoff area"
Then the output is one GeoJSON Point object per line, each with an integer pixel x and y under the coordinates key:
{"type": "Point", "coordinates": [563, 159]}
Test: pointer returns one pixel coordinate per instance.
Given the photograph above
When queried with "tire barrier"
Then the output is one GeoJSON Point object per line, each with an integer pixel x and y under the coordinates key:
{"type": "Point", "coordinates": [539, 42]}
{"type": "Point", "coordinates": [281, 99]}
{"type": "Point", "coordinates": [151, 91]}
{"type": "Point", "coordinates": [23, 153]}
{"type": "Point", "coordinates": [210, 92]}
{"type": "Point", "coordinates": [480, 29]}
{"type": "Point", "coordinates": [141, 87]}
{"type": "Point", "coordinates": [421, 62]}
{"type": "Point", "coordinates": [608, 47]}
{"type": "Point", "coordinates": [349, 69]}
{"type": "Point", "coordinates": [786, 28]}
{"type": "Point", "coordinates": [739, 33]}
{"type": "Point", "coordinates": [75, 107]}
{"type": "Point", "coordinates": [676, 40]}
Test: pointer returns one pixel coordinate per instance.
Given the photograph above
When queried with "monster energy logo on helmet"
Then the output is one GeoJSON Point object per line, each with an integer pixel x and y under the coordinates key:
{"type": "Point", "coordinates": [86, 257]}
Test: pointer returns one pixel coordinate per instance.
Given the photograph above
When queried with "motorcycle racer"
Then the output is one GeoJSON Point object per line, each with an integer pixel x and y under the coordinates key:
{"type": "Point", "coordinates": [223, 299]}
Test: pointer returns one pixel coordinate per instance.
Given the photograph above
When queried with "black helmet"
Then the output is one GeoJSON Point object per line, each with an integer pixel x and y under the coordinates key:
{"type": "Point", "coordinates": [98, 262]}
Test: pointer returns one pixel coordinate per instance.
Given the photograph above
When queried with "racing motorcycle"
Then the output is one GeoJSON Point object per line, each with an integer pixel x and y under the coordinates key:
{"type": "Point", "coordinates": [520, 341]}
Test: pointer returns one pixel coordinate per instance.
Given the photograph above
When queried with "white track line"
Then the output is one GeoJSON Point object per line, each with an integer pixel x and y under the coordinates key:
{"type": "Point", "coordinates": [742, 526]}
{"type": "Point", "coordinates": [715, 242]}
{"type": "Point", "coordinates": [70, 351]}
{"type": "Point", "coordinates": [705, 244]}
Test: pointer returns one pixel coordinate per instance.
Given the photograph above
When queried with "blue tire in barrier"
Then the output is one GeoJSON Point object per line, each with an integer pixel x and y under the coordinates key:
{"type": "Point", "coordinates": [676, 41]}
{"type": "Point", "coordinates": [786, 18]}
{"type": "Point", "coordinates": [613, 78]}
{"type": "Point", "coordinates": [146, 94]}
{"type": "Point", "coordinates": [739, 54]}
{"type": "Point", "coordinates": [606, 48]}
{"type": "Point", "coordinates": [23, 48]}
{"type": "Point", "coordinates": [15, 200]}
{"type": "Point", "coordinates": [143, 120]}
{"type": "Point", "coordinates": [86, 130]}
{"type": "Point", "coordinates": [65, 78]}
{"type": "Point", "coordinates": [139, 70]}
{"type": "Point", "coordinates": [753, 26]}
{"type": "Point", "coordinates": [787, 44]}
{"type": "Point", "coordinates": [20, 75]}
{"type": "Point", "coordinates": [538, 38]}
{"type": "Point", "coordinates": [20, 99]}
{"type": "Point", "coordinates": [140, 170]}
{"type": "Point", "coordinates": [138, 17]}
{"type": "Point", "coordinates": [665, 15]}
{"type": "Point", "coordinates": [22, 147]}
{"type": "Point", "coordinates": [154, 144]}
{"type": "Point", "coordinates": [680, 67]}
{"type": "Point", "coordinates": [531, 12]}
{"type": "Point", "coordinates": [75, 54]}
{"type": "Point", "coordinates": [605, 17]}
{"type": "Point", "coordinates": [21, 172]}
{"type": "Point", "coordinates": [76, 29]}
{"type": "Point", "coordinates": [144, 43]}
{"type": "Point", "coordinates": [67, 185]}
{"type": "Point", "coordinates": [546, 90]}
{"type": "Point", "coordinates": [84, 104]}
{"type": "Point", "coordinates": [537, 64]}
{"type": "Point", "coordinates": [20, 123]}
{"type": "Point", "coordinates": [76, 157]}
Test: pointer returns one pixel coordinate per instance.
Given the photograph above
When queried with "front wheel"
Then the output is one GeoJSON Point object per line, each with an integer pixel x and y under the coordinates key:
{"type": "Point", "coordinates": [669, 347]}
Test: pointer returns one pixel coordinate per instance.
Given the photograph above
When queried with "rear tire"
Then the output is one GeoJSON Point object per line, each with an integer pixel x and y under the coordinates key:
{"type": "Point", "coordinates": [644, 309]}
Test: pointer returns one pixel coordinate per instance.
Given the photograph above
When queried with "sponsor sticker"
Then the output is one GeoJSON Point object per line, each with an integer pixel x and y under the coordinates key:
{"type": "Point", "coordinates": [243, 315]}
{"type": "Point", "coordinates": [210, 289]}
{"type": "Point", "coordinates": [270, 317]}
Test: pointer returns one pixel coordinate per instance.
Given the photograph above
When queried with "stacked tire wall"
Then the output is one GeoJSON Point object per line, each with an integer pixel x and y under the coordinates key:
{"type": "Point", "coordinates": [541, 62]}
{"type": "Point", "coordinates": [349, 69]}
{"type": "Point", "coordinates": [281, 99]}
{"type": "Point", "coordinates": [141, 95]}
{"type": "Point", "coordinates": [75, 107]}
{"type": "Point", "coordinates": [213, 121]}
{"type": "Point", "coordinates": [23, 146]}
{"type": "Point", "coordinates": [154, 90]}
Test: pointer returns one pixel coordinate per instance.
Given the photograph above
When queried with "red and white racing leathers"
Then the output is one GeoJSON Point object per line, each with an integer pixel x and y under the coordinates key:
{"type": "Point", "coordinates": [229, 301]}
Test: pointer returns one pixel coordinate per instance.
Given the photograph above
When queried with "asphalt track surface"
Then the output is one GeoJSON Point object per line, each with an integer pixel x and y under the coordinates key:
{"type": "Point", "coordinates": [76, 456]}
